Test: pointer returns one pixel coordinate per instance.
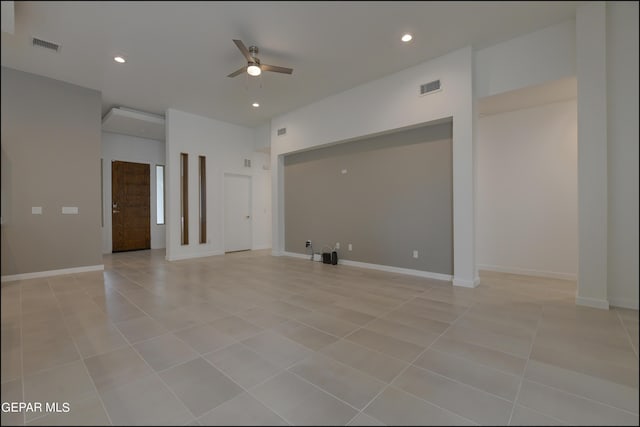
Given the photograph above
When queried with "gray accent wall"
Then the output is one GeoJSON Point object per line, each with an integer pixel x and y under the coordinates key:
{"type": "Point", "coordinates": [395, 197]}
{"type": "Point", "coordinates": [50, 159]}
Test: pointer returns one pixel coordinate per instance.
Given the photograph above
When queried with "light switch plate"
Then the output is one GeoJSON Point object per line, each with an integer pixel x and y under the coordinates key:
{"type": "Point", "coordinates": [70, 210]}
{"type": "Point", "coordinates": [36, 210]}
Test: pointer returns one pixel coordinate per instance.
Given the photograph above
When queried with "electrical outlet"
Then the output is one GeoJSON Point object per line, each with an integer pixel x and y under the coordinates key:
{"type": "Point", "coordinates": [415, 254]}
{"type": "Point", "coordinates": [338, 245]}
{"type": "Point", "coordinates": [350, 247]}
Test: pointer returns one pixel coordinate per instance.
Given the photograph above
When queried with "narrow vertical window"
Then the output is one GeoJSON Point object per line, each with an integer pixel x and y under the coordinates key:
{"type": "Point", "coordinates": [203, 199]}
{"type": "Point", "coordinates": [102, 192]}
{"type": "Point", "coordinates": [184, 197]}
{"type": "Point", "coordinates": [159, 194]}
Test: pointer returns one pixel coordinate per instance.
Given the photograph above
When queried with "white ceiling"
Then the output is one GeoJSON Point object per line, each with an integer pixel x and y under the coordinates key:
{"type": "Point", "coordinates": [179, 53]}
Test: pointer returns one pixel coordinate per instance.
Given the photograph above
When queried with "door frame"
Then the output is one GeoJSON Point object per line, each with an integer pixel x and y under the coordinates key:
{"type": "Point", "coordinates": [224, 211]}
{"type": "Point", "coordinates": [110, 205]}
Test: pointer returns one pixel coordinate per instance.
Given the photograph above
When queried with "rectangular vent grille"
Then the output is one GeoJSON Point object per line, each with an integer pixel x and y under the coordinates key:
{"type": "Point", "coordinates": [45, 44]}
{"type": "Point", "coordinates": [247, 163]}
{"type": "Point", "coordinates": [430, 87]}
{"type": "Point", "coordinates": [282, 131]}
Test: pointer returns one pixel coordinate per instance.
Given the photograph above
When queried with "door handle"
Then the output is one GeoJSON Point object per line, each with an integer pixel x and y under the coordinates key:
{"type": "Point", "coordinates": [115, 211]}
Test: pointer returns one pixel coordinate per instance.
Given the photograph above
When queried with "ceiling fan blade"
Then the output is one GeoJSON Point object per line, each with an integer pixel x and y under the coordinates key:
{"type": "Point", "coordinates": [244, 50]}
{"type": "Point", "coordinates": [238, 72]}
{"type": "Point", "coordinates": [267, 67]}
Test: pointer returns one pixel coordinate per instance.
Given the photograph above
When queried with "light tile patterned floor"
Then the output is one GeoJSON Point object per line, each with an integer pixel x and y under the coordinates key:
{"type": "Point", "coordinates": [247, 338]}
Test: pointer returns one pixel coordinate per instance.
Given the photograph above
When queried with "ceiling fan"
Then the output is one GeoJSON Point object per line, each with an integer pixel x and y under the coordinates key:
{"type": "Point", "coordinates": [254, 67]}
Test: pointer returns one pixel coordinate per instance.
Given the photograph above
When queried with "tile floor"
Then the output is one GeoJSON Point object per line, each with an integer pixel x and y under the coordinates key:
{"type": "Point", "coordinates": [247, 338]}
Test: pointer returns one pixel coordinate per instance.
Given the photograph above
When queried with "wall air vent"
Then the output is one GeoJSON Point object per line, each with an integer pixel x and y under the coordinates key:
{"type": "Point", "coordinates": [45, 44]}
{"type": "Point", "coordinates": [430, 87]}
{"type": "Point", "coordinates": [247, 163]}
{"type": "Point", "coordinates": [282, 131]}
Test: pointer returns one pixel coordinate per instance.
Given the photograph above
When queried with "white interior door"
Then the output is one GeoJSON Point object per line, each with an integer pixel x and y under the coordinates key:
{"type": "Point", "coordinates": [237, 213]}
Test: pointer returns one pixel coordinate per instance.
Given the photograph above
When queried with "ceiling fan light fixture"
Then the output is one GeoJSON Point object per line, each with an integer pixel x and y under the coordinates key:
{"type": "Point", "coordinates": [407, 38]}
{"type": "Point", "coordinates": [255, 105]}
{"type": "Point", "coordinates": [254, 70]}
{"type": "Point", "coordinates": [254, 67]}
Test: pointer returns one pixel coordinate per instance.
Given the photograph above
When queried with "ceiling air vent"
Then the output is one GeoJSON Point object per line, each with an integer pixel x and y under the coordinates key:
{"type": "Point", "coordinates": [430, 87]}
{"type": "Point", "coordinates": [45, 44]}
{"type": "Point", "coordinates": [282, 131]}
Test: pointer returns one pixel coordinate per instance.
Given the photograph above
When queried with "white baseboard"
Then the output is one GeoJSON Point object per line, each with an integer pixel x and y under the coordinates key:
{"type": "Point", "coordinates": [528, 272]}
{"type": "Point", "coordinates": [466, 283]}
{"type": "Point", "coordinates": [593, 302]}
{"type": "Point", "coordinates": [50, 273]}
{"type": "Point", "coordinates": [260, 248]}
{"type": "Point", "coordinates": [295, 255]}
{"type": "Point", "coordinates": [380, 267]}
{"type": "Point", "coordinates": [624, 303]}
{"type": "Point", "coordinates": [196, 255]}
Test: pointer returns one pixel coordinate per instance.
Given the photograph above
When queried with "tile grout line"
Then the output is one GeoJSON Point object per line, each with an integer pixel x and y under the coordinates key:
{"type": "Point", "coordinates": [86, 369]}
{"type": "Point", "coordinates": [410, 365]}
{"type": "Point", "coordinates": [248, 391]}
{"type": "Point", "coordinates": [215, 367]}
{"type": "Point", "coordinates": [626, 330]}
{"type": "Point", "coordinates": [461, 383]}
{"type": "Point", "coordinates": [384, 313]}
{"type": "Point", "coordinates": [467, 359]}
{"type": "Point", "coordinates": [245, 390]}
{"type": "Point", "coordinates": [526, 364]}
{"type": "Point", "coordinates": [129, 344]}
{"type": "Point", "coordinates": [132, 263]}
{"type": "Point", "coordinates": [157, 374]}
{"type": "Point", "coordinates": [569, 392]}
{"type": "Point", "coordinates": [580, 397]}
{"type": "Point", "coordinates": [149, 366]}
{"type": "Point", "coordinates": [559, 421]}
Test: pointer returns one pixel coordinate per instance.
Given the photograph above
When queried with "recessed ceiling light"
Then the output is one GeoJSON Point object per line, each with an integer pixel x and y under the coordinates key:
{"type": "Point", "coordinates": [119, 59]}
{"type": "Point", "coordinates": [407, 37]}
{"type": "Point", "coordinates": [255, 104]}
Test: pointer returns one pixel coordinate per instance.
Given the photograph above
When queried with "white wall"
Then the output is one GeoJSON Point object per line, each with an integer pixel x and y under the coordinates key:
{"type": "Point", "coordinates": [385, 105]}
{"type": "Point", "coordinates": [544, 55]}
{"type": "Point", "coordinates": [127, 148]}
{"type": "Point", "coordinates": [225, 146]}
{"type": "Point", "coordinates": [527, 208]}
{"type": "Point", "coordinates": [622, 141]}
{"type": "Point", "coordinates": [262, 137]}
{"type": "Point", "coordinates": [261, 200]}
{"type": "Point", "coordinates": [592, 154]}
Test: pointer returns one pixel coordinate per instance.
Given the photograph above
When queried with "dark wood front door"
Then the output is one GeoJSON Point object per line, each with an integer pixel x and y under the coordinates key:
{"type": "Point", "coordinates": [130, 202]}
